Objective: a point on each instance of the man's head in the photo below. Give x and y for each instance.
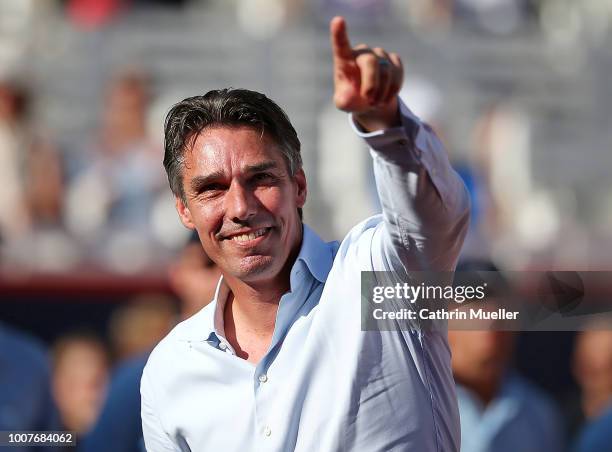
(80, 373)
(482, 355)
(234, 165)
(592, 366)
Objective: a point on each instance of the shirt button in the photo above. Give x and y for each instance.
(223, 346)
(267, 431)
(263, 378)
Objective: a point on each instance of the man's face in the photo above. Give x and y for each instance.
(242, 200)
(480, 356)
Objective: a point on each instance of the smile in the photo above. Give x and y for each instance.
(247, 237)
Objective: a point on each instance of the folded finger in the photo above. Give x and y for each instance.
(367, 62)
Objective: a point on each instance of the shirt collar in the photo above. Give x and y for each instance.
(207, 324)
(316, 254)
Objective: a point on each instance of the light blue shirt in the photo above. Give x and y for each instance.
(520, 418)
(325, 385)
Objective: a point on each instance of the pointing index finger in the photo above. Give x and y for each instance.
(339, 38)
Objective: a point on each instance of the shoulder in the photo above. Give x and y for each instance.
(596, 435)
(360, 235)
(128, 373)
(539, 403)
(30, 353)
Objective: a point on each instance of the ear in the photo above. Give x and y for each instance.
(300, 181)
(184, 213)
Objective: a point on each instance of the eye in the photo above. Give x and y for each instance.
(263, 177)
(210, 190)
(212, 187)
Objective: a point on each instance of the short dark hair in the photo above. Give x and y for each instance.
(225, 107)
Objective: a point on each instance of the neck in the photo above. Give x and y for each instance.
(250, 312)
(254, 306)
(249, 318)
(486, 390)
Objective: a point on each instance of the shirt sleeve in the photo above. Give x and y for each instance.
(425, 204)
(155, 437)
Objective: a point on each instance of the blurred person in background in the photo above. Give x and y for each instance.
(25, 393)
(193, 278)
(135, 327)
(500, 17)
(14, 218)
(500, 410)
(31, 203)
(115, 186)
(593, 371)
(79, 378)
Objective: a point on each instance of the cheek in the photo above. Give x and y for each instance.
(277, 201)
(208, 217)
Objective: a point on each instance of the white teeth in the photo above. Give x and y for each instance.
(249, 236)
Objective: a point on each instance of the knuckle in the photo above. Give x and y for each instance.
(381, 52)
(369, 58)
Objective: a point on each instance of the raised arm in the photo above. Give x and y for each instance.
(425, 203)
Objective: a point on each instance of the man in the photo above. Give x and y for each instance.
(278, 362)
(592, 366)
(500, 410)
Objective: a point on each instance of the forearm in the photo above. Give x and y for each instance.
(425, 203)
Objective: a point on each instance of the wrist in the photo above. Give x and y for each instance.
(380, 118)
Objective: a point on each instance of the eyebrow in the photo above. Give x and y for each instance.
(263, 166)
(202, 181)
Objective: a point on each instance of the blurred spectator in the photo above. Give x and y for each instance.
(500, 411)
(512, 200)
(119, 428)
(113, 193)
(357, 12)
(93, 14)
(25, 395)
(493, 16)
(593, 370)
(428, 15)
(136, 327)
(80, 371)
(14, 218)
(193, 277)
(31, 202)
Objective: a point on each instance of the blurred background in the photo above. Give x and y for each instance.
(95, 267)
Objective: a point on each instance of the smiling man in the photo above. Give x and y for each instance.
(278, 361)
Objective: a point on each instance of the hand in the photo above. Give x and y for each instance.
(366, 80)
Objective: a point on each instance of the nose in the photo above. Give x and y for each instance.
(240, 203)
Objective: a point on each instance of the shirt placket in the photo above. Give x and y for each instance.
(269, 427)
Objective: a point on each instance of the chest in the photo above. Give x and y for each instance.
(322, 384)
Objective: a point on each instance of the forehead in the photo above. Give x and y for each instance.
(236, 147)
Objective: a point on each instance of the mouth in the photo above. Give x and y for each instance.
(249, 238)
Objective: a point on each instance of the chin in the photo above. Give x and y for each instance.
(255, 268)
